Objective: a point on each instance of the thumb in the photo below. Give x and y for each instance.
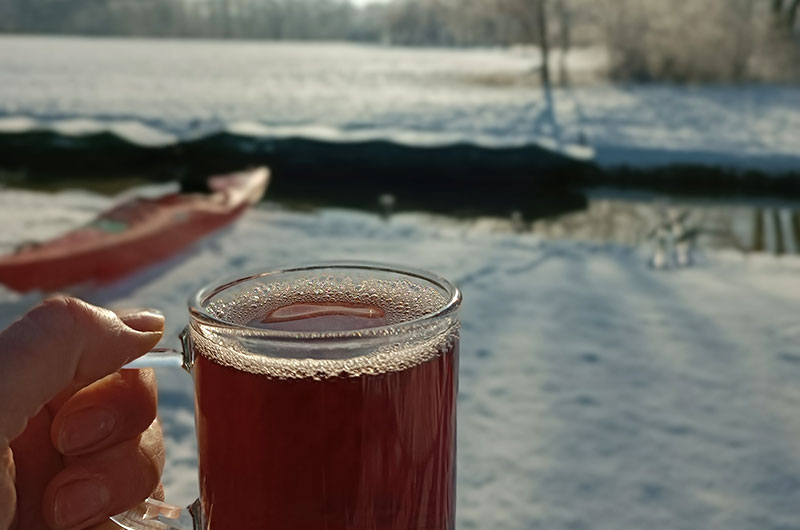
(59, 345)
(64, 343)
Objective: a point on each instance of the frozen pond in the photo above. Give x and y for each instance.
(158, 91)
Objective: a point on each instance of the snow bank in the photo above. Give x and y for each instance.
(595, 392)
(157, 92)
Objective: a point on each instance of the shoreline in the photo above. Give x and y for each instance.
(531, 178)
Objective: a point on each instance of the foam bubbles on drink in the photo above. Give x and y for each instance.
(355, 305)
(400, 300)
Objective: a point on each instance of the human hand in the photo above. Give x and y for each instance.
(79, 438)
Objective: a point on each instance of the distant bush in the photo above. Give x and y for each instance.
(698, 41)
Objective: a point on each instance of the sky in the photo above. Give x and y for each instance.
(367, 2)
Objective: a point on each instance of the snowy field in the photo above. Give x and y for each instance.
(156, 92)
(596, 393)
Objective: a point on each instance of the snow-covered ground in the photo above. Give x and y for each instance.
(156, 92)
(596, 393)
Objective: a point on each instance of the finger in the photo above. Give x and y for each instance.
(8, 490)
(36, 458)
(158, 495)
(94, 487)
(64, 343)
(118, 407)
(36, 462)
(106, 525)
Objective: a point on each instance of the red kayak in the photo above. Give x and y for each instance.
(132, 235)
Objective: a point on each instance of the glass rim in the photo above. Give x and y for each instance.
(198, 300)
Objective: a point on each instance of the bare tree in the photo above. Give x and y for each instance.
(544, 41)
(738, 17)
(564, 40)
(794, 10)
(785, 12)
(531, 20)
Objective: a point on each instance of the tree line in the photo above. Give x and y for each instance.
(697, 40)
(405, 22)
(241, 19)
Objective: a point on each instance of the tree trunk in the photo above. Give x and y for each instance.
(791, 18)
(544, 44)
(566, 41)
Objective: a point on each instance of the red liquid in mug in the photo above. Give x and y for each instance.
(342, 452)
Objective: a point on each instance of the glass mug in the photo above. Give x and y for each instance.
(336, 410)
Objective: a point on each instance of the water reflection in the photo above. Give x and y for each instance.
(674, 226)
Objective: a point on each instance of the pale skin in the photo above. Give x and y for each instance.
(79, 438)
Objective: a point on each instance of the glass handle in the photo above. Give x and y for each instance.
(157, 515)
(158, 358)
(153, 514)
(168, 357)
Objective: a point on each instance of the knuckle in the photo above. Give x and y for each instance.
(65, 304)
(146, 379)
(139, 386)
(7, 464)
(158, 493)
(60, 314)
(147, 375)
(150, 471)
(7, 485)
(153, 454)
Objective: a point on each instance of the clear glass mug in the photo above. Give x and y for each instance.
(339, 429)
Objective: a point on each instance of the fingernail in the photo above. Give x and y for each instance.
(80, 501)
(145, 320)
(85, 428)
